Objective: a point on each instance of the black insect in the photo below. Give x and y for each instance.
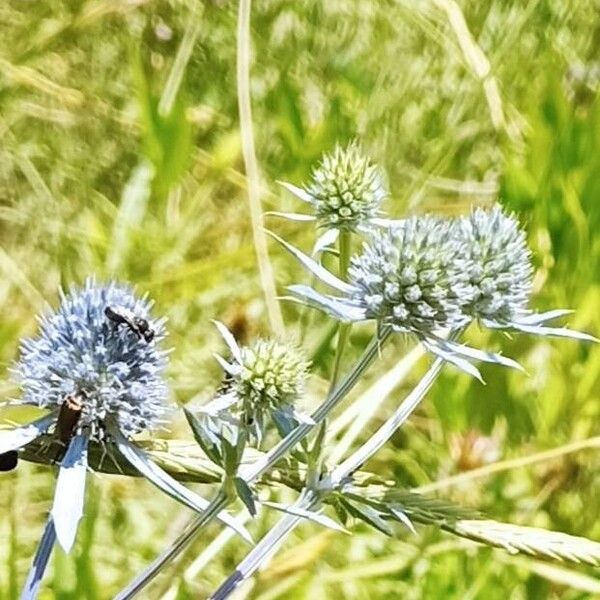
(9, 460)
(68, 416)
(138, 325)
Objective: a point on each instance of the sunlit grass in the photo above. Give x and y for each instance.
(95, 178)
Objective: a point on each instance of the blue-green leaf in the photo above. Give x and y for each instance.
(245, 494)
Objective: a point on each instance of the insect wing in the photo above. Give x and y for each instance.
(118, 314)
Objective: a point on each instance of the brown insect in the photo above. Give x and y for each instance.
(137, 325)
(68, 416)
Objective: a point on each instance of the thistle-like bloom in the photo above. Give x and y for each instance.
(500, 271)
(412, 277)
(345, 194)
(80, 351)
(431, 277)
(102, 381)
(500, 275)
(263, 379)
(346, 189)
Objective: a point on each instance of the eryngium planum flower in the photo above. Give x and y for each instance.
(431, 276)
(271, 377)
(80, 351)
(344, 193)
(97, 368)
(499, 266)
(412, 276)
(500, 276)
(263, 379)
(346, 188)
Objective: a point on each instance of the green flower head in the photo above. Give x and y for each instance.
(263, 380)
(346, 188)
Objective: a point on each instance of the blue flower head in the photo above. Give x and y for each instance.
(79, 350)
(98, 357)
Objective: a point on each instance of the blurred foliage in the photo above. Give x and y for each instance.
(96, 177)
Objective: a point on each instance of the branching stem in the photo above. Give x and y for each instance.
(309, 500)
(257, 469)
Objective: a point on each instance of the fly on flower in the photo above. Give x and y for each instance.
(345, 193)
(100, 385)
(137, 325)
(431, 277)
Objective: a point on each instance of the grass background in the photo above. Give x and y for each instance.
(96, 179)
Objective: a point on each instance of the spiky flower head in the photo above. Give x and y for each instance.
(96, 366)
(499, 266)
(346, 188)
(412, 276)
(427, 274)
(271, 377)
(264, 378)
(114, 372)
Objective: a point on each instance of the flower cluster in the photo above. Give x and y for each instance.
(112, 369)
(427, 275)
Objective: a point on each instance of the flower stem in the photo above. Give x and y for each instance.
(344, 328)
(385, 432)
(219, 502)
(265, 548)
